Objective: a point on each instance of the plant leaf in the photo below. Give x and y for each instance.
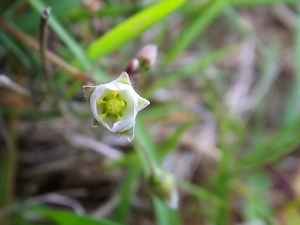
(62, 217)
(132, 28)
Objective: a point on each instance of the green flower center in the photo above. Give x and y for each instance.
(111, 105)
(114, 106)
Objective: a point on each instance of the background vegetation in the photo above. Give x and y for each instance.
(224, 115)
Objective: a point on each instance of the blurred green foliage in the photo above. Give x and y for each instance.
(87, 51)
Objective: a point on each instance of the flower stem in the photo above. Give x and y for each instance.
(151, 165)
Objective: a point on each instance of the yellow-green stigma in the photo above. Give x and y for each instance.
(113, 105)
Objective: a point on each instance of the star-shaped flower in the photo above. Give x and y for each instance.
(115, 105)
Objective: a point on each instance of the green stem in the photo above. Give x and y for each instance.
(145, 148)
(223, 192)
(151, 165)
(214, 102)
(8, 158)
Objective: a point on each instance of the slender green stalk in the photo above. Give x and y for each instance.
(151, 165)
(290, 111)
(214, 101)
(195, 29)
(8, 159)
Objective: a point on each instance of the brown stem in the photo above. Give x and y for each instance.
(43, 48)
(43, 40)
(79, 75)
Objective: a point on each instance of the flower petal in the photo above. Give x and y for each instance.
(128, 134)
(123, 125)
(124, 78)
(99, 92)
(142, 103)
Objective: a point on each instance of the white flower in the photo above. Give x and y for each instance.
(115, 105)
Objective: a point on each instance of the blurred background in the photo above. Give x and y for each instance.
(224, 116)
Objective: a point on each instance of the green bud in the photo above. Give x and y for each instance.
(163, 185)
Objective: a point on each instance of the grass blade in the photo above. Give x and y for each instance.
(256, 207)
(256, 3)
(165, 215)
(292, 107)
(173, 141)
(61, 217)
(122, 213)
(270, 150)
(171, 78)
(195, 29)
(63, 34)
(144, 140)
(132, 28)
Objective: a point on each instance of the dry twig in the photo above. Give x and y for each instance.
(11, 85)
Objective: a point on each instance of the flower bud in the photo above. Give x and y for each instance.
(133, 66)
(163, 185)
(115, 105)
(144, 60)
(147, 56)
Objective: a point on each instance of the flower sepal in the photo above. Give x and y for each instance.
(88, 90)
